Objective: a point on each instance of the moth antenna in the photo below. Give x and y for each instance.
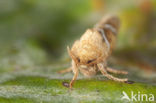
(71, 55)
(105, 25)
(105, 38)
(109, 22)
(110, 27)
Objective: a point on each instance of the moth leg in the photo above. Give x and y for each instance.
(74, 78)
(116, 71)
(65, 70)
(104, 72)
(76, 72)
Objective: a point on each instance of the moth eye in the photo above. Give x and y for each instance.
(89, 61)
(78, 59)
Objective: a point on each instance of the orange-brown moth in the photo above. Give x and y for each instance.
(89, 54)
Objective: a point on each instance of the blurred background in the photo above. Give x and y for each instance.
(34, 35)
(37, 32)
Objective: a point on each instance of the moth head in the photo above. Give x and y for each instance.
(82, 61)
(71, 54)
(88, 49)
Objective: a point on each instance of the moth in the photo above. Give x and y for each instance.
(89, 54)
